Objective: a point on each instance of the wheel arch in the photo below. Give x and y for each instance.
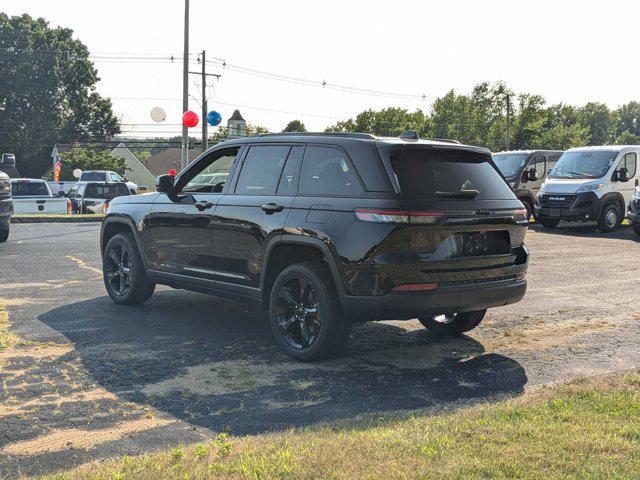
(114, 225)
(289, 249)
(613, 197)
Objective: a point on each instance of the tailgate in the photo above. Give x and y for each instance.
(37, 205)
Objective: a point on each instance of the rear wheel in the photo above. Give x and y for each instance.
(609, 218)
(453, 324)
(305, 313)
(4, 235)
(123, 272)
(549, 222)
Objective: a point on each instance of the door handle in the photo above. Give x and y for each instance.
(202, 206)
(270, 208)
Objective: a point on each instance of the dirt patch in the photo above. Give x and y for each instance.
(75, 438)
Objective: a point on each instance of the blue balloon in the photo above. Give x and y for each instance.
(214, 118)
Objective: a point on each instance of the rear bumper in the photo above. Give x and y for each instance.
(403, 306)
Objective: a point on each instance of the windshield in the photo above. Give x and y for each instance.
(93, 176)
(586, 164)
(510, 164)
(23, 189)
(106, 190)
(427, 173)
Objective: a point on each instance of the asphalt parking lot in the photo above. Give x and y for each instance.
(89, 379)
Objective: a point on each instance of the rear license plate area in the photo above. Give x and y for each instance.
(477, 244)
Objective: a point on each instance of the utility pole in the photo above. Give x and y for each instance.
(203, 74)
(205, 142)
(508, 132)
(184, 154)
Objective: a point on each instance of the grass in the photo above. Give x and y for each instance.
(588, 429)
(61, 217)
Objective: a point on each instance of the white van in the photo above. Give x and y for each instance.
(590, 184)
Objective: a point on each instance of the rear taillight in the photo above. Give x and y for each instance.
(69, 209)
(397, 216)
(520, 214)
(520, 277)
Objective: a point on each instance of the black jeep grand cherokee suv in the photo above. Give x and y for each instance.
(325, 230)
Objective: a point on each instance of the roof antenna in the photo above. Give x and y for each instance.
(409, 135)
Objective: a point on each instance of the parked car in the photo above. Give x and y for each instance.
(525, 170)
(33, 196)
(590, 184)
(325, 230)
(107, 176)
(633, 211)
(6, 206)
(94, 197)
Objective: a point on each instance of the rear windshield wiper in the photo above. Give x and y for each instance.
(459, 194)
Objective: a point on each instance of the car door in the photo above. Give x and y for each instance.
(629, 161)
(539, 163)
(179, 240)
(252, 213)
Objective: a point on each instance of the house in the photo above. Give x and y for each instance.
(136, 171)
(169, 159)
(236, 125)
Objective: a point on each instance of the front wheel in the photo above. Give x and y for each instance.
(305, 313)
(123, 272)
(453, 324)
(4, 235)
(549, 222)
(609, 218)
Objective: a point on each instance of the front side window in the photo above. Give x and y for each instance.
(629, 161)
(212, 177)
(584, 164)
(540, 164)
(327, 171)
(261, 170)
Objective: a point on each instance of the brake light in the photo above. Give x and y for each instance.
(415, 287)
(520, 214)
(397, 216)
(521, 276)
(69, 208)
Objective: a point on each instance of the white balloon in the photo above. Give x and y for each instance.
(158, 114)
(77, 173)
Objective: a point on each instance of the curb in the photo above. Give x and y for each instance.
(56, 218)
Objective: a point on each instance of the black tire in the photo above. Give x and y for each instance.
(4, 235)
(636, 228)
(549, 222)
(528, 207)
(305, 314)
(453, 324)
(123, 273)
(609, 218)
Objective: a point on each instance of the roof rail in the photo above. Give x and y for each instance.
(409, 135)
(446, 140)
(367, 136)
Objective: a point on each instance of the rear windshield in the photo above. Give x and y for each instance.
(93, 176)
(107, 190)
(445, 173)
(24, 189)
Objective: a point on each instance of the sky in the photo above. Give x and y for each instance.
(568, 51)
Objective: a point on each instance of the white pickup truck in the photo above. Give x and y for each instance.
(33, 196)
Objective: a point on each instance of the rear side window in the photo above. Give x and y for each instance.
(444, 173)
(327, 171)
(19, 189)
(261, 170)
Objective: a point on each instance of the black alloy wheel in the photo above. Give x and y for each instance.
(118, 270)
(298, 313)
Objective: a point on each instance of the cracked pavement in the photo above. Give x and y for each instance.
(89, 380)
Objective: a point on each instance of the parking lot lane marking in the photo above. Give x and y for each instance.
(83, 264)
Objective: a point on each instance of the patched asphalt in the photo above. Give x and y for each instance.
(90, 380)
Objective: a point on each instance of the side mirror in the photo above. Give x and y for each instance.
(164, 184)
(623, 174)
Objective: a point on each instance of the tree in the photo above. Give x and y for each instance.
(599, 120)
(628, 119)
(386, 122)
(89, 159)
(295, 126)
(48, 92)
(223, 133)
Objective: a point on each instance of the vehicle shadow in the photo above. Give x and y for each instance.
(212, 363)
(586, 231)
